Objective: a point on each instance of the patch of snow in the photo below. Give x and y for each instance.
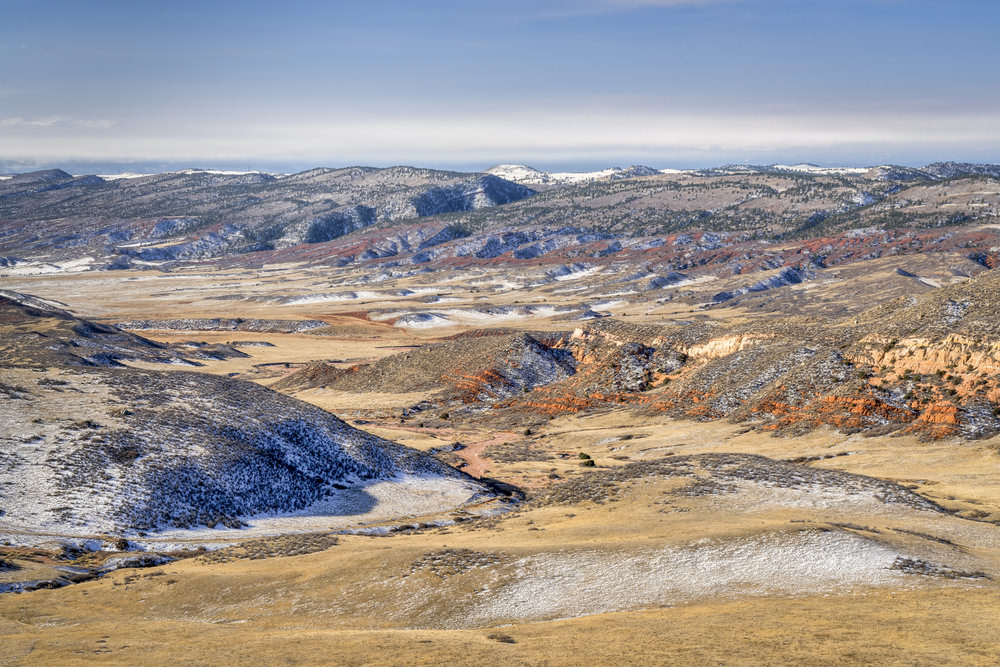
(423, 320)
(36, 268)
(606, 305)
(571, 584)
(583, 176)
(576, 274)
(450, 316)
(334, 296)
(863, 199)
(403, 497)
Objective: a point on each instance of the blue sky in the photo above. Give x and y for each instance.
(558, 84)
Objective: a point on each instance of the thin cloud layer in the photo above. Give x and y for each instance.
(467, 137)
(87, 123)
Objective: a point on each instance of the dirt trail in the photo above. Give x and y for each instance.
(475, 464)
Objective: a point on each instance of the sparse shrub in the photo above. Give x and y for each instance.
(444, 415)
(527, 431)
(588, 463)
(583, 455)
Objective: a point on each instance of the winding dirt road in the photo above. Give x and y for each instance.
(475, 464)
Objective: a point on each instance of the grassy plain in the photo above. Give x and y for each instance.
(708, 566)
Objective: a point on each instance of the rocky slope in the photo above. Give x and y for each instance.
(88, 446)
(926, 364)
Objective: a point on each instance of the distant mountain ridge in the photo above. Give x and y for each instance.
(208, 214)
(524, 174)
(52, 221)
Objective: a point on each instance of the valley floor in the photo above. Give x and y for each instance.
(684, 542)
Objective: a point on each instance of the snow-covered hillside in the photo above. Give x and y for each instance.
(89, 450)
(141, 451)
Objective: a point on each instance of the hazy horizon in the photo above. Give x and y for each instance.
(115, 168)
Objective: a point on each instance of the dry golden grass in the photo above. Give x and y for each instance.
(362, 602)
(940, 627)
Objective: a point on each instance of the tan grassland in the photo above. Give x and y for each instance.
(652, 572)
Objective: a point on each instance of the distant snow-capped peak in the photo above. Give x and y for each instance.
(519, 173)
(526, 175)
